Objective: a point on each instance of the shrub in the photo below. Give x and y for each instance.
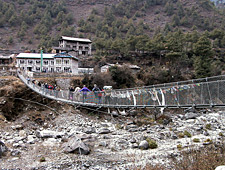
(180, 135)
(200, 159)
(152, 144)
(221, 134)
(188, 134)
(208, 126)
(179, 147)
(113, 149)
(208, 140)
(118, 126)
(196, 140)
(42, 159)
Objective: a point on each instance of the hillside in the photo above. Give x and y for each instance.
(171, 39)
(30, 24)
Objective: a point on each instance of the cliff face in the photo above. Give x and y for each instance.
(11, 88)
(16, 99)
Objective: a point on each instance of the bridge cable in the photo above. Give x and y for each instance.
(34, 103)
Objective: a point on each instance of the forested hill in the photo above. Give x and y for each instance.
(177, 34)
(30, 24)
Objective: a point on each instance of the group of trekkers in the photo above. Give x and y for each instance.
(75, 93)
(45, 87)
(98, 93)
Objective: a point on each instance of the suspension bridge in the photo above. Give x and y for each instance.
(198, 93)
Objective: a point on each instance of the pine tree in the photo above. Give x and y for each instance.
(203, 52)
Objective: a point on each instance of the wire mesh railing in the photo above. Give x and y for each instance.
(198, 92)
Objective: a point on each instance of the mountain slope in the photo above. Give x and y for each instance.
(25, 24)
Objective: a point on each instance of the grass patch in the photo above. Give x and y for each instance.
(42, 159)
(180, 135)
(221, 134)
(152, 143)
(196, 140)
(188, 134)
(179, 147)
(208, 126)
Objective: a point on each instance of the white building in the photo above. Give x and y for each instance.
(60, 63)
(85, 70)
(106, 67)
(81, 46)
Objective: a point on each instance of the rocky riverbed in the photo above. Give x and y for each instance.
(73, 140)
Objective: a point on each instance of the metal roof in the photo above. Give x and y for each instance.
(35, 55)
(65, 55)
(76, 39)
(5, 57)
(45, 56)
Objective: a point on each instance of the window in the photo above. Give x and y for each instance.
(75, 47)
(30, 61)
(21, 61)
(38, 68)
(58, 62)
(38, 62)
(68, 46)
(45, 62)
(80, 47)
(52, 63)
(86, 48)
(58, 69)
(66, 62)
(67, 69)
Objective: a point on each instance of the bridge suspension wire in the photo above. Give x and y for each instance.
(200, 93)
(34, 103)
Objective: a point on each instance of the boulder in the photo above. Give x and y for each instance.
(191, 115)
(130, 122)
(103, 143)
(130, 126)
(75, 145)
(132, 140)
(206, 133)
(114, 113)
(3, 149)
(22, 133)
(15, 153)
(123, 113)
(134, 145)
(49, 134)
(17, 127)
(222, 167)
(50, 142)
(83, 136)
(31, 139)
(133, 113)
(133, 130)
(143, 145)
(90, 130)
(104, 131)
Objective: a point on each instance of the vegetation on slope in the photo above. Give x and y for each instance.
(172, 39)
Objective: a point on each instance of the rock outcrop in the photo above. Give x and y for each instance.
(75, 145)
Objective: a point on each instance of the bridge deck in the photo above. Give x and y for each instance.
(199, 93)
